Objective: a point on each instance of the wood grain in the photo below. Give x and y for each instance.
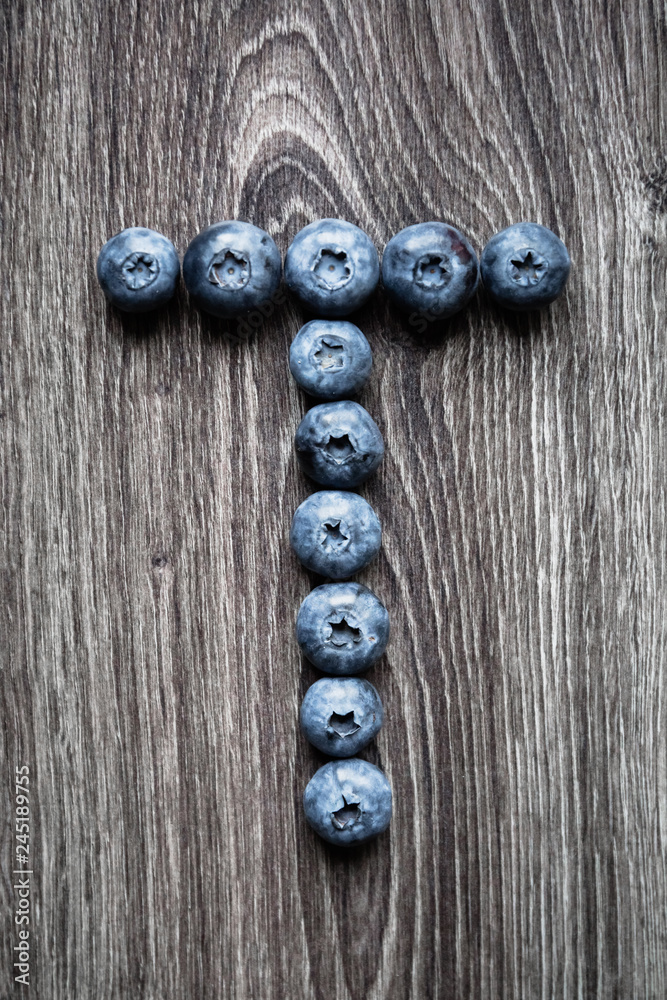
(151, 677)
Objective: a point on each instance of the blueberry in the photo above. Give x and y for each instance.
(330, 358)
(339, 444)
(231, 268)
(348, 802)
(342, 628)
(525, 266)
(332, 267)
(335, 533)
(138, 270)
(340, 715)
(430, 268)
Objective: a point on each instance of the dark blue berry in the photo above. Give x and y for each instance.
(340, 715)
(231, 268)
(431, 269)
(332, 267)
(330, 358)
(339, 444)
(525, 266)
(348, 802)
(342, 628)
(138, 270)
(335, 533)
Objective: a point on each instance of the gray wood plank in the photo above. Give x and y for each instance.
(151, 679)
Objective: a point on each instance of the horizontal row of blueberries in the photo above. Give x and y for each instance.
(333, 267)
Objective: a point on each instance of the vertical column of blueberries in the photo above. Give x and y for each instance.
(429, 270)
(342, 627)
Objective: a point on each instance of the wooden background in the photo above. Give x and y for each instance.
(151, 677)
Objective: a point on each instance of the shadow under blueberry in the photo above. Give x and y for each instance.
(524, 324)
(139, 328)
(245, 329)
(364, 317)
(419, 332)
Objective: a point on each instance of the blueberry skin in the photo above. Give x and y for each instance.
(335, 533)
(343, 628)
(332, 267)
(430, 268)
(341, 715)
(348, 802)
(525, 267)
(231, 268)
(339, 444)
(138, 270)
(330, 358)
